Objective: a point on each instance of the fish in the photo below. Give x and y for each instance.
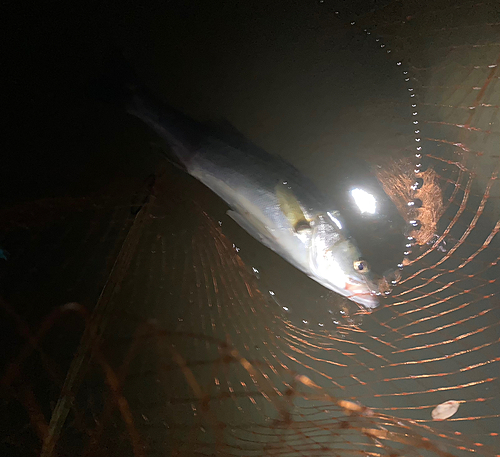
(268, 197)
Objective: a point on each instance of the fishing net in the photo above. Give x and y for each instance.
(175, 347)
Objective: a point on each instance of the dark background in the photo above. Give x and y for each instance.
(56, 139)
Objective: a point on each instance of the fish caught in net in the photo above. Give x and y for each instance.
(175, 347)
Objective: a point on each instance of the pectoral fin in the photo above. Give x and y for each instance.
(291, 208)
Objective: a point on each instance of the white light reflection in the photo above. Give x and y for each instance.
(366, 202)
(334, 220)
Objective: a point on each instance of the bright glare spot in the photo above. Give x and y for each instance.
(335, 220)
(366, 202)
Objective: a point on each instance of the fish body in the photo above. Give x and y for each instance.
(268, 197)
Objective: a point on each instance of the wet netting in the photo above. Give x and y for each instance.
(162, 341)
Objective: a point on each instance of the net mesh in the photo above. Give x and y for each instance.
(173, 348)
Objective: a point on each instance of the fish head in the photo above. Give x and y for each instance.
(336, 262)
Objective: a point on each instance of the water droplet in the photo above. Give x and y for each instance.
(417, 203)
(415, 223)
(424, 164)
(398, 63)
(419, 182)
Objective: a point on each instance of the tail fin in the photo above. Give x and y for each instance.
(121, 86)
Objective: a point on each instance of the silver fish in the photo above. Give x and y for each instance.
(268, 197)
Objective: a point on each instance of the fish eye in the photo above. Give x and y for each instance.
(361, 266)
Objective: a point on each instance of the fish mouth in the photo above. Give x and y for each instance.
(353, 289)
(359, 293)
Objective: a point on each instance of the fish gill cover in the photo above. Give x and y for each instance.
(122, 373)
